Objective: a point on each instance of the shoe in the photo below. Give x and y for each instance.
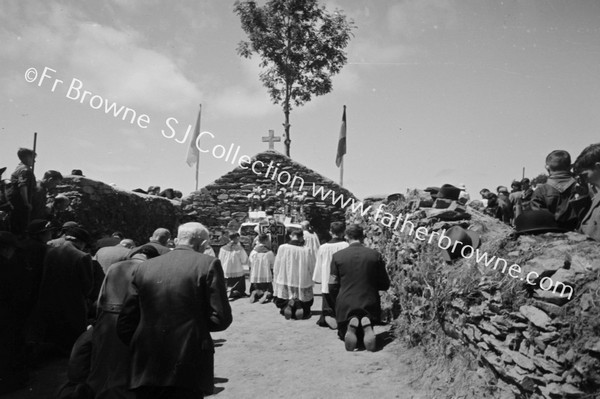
(299, 313)
(264, 298)
(253, 296)
(369, 338)
(288, 311)
(350, 339)
(331, 322)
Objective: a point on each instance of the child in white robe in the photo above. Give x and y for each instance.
(233, 256)
(261, 271)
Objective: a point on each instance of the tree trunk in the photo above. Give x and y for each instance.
(286, 125)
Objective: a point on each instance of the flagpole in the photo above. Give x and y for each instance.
(342, 173)
(198, 161)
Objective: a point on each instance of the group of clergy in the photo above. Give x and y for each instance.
(351, 276)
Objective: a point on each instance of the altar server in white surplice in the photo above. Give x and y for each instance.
(311, 240)
(262, 260)
(322, 271)
(292, 277)
(233, 256)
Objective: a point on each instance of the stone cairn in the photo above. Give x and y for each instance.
(230, 197)
(536, 343)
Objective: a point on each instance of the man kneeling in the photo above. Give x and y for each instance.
(357, 275)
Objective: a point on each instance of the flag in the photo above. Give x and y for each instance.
(341, 150)
(193, 154)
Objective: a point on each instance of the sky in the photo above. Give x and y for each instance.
(437, 91)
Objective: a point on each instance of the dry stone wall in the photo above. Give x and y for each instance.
(103, 209)
(537, 343)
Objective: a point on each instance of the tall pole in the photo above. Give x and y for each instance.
(33, 183)
(342, 173)
(198, 160)
(523, 172)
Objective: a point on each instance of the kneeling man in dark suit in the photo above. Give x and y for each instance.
(175, 301)
(357, 275)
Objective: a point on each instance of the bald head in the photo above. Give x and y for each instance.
(161, 236)
(192, 234)
(305, 225)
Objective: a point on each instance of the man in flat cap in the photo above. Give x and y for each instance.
(66, 285)
(22, 185)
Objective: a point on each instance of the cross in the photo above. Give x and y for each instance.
(271, 138)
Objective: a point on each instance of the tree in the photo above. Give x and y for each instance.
(301, 46)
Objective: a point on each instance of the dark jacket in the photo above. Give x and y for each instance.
(175, 301)
(67, 285)
(358, 273)
(555, 194)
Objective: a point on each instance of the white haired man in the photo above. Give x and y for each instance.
(175, 301)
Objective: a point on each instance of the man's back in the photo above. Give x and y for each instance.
(360, 273)
(106, 256)
(180, 297)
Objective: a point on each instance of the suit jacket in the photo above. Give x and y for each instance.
(106, 256)
(175, 301)
(67, 283)
(358, 273)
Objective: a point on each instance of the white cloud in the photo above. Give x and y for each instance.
(114, 63)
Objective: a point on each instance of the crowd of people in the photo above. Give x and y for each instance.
(568, 194)
(135, 321)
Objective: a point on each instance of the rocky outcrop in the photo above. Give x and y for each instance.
(538, 343)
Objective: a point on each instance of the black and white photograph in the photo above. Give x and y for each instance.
(300, 199)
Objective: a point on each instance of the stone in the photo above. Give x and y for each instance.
(536, 316)
(544, 266)
(552, 309)
(548, 337)
(522, 360)
(593, 346)
(552, 353)
(569, 391)
(489, 327)
(549, 377)
(548, 366)
(551, 297)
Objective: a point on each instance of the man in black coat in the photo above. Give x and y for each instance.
(175, 301)
(357, 275)
(66, 288)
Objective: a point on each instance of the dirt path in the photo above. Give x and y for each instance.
(262, 355)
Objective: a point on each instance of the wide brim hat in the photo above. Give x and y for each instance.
(149, 250)
(537, 222)
(433, 191)
(79, 234)
(465, 236)
(448, 191)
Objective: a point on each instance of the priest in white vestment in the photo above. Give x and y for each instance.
(322, 272)
(292, 277)
(311, 240)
